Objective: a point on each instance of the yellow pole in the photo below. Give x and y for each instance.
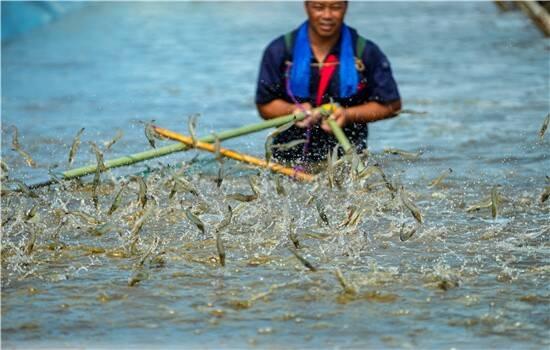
(235, 155)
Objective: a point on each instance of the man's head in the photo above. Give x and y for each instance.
(326, 17)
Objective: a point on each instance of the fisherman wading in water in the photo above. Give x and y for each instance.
(321, 61)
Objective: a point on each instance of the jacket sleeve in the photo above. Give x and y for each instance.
(271, 78)
(381, 85)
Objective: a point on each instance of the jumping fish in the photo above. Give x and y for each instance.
(217, 148)
(404, 154)
(411, 206)
(5, 169)
(150, 133)
(192, 125)
(23, 188)
(404, 235)
(181, 182)
(117, 137)
(269, 139)
(321, 210)
(149, 251)
(226, 220)
(141, 221)
(16, 146)
(29, 247)
(142, 194)
(242, 197)
(74, 146)
(545, 194)
(116, 201)
(292, 234)
(219, 178)
(388, 184)
(86, 217)
(194, 219)
(441, 177)
(279, 187)
(544, 126)
(137, 277)
(97, 176)
(348, 287)
(494, 202)
(303, 260)
(220, 248)
(288, 145)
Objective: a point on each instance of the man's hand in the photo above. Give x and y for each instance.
(340, 116)
(312, 117)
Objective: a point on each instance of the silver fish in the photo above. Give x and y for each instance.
(279, 187)
(269, 139)
(23, 188)
(181, 183)
(137, 277)
(388, 184)
(302, 260)
(544, 126)
(410, 205)
(404, 154)
(150, 133)
(142, 194)
(404, 235)
(194, 219)
(288, 145)
(29, 247)
(494, 202)
(219, 178)
(31, 212)
(117, 200)
(97, 175)
(141, 221)
(16, 146)
(486, 203)
(117, 137)
(86, 217)
(74, 146)
(192, 125)
(348, 287)
(217, 149)
(545, 194)
(226, 220)
(153, 246)
(101, 229)
(292, 234)
(441, 177)
(220, 248)
(242, 197)
(321, 210)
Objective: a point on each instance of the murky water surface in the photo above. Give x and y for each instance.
(73, 274)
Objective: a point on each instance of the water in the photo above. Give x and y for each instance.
(463, 280)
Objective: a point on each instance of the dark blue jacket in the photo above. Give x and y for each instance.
(376, 83)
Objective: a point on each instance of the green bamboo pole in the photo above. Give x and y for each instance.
(342, 139)
(177, 147)
(339, 134)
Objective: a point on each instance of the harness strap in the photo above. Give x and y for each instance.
(326, 72)
(359, 45)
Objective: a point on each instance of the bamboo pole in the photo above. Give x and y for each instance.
(235, 155)
(343, 140)
(178, 147)
(538, 14)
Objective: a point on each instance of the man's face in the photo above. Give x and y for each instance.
(326, 17)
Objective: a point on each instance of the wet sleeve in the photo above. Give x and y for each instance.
(271, 77)
(381, 86)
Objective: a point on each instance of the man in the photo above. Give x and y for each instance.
(317, 63)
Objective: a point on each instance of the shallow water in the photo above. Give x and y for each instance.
(463, 280)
